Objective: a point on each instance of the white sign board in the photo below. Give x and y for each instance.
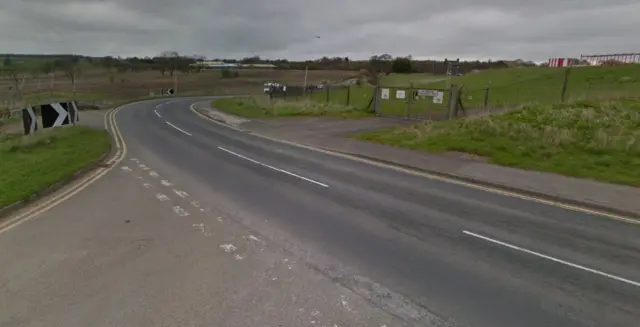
(384, 94)
(438, 97)
(428, 93)
(400, 94)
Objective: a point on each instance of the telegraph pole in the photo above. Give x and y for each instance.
(306, 73)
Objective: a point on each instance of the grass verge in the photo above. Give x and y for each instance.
(511, 87)
(598, 139)
(262, 107)
(29, 164)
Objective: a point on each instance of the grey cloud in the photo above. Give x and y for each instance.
(467, 29)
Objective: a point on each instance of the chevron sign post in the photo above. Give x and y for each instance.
(59, 114)
(29, 121)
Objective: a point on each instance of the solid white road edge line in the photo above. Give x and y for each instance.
(178, 128)
(540, 255)
(274, 168)
(156, 111)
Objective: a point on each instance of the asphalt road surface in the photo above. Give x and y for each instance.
(202, 224)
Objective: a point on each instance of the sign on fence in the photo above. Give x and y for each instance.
(384, 94)
(428, 93)
(400, 94)
(438, 98)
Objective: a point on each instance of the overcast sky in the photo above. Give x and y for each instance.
(466, 29)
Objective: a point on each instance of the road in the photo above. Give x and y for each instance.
(372, 246)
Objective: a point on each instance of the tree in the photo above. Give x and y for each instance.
(70, 66)
(401, 65)
(169, 59)
(49, 68)
(108, 62)
(17, 73)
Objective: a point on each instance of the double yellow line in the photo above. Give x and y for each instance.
(121, 150)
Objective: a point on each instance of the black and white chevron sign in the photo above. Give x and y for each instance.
(29, 121)
(55, 114)
(74, 116)
(167, 91)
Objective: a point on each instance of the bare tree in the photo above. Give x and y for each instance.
(17, 75)
(71, 68)
(171, 61)
(48, 69)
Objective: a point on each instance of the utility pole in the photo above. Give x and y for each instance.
(448, 74)
(306, 73)
(304, 85)
(175, 82)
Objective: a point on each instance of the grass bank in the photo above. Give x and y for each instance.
(405, 80)
(29, 164)
(510, 87)
(263, 107)
(598, 139)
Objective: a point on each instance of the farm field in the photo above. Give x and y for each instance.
(405, 80)
(103, 88)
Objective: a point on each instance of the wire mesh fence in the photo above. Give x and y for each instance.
(513, 88)
(358, 96)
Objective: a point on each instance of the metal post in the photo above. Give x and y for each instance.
(452, 101)
(376, 100)
(409, 101)
(448, 68)
(304, 85)
(565, 84)
(328, 91)
(486, 95)
(175, 82)
(53, 74)
(348, 95)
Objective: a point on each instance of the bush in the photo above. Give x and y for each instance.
(227, 73)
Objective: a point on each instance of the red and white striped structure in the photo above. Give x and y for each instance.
(628, 58)
(563, 62)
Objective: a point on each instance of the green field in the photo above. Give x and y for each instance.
(511, 87)
(596, 139)
(507, 88)
(263, 107)
(405, 80)
(31, 163)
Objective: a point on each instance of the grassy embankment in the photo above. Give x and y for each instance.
(338, 102)
(598, 139)
(262, 107)
(528, 86)
(29, 164)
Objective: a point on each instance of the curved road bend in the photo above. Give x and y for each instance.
(238, 212)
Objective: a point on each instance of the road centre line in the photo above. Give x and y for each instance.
(543, 256)
(178, 128)
(273, 168)
(156, 111)
(431, 176)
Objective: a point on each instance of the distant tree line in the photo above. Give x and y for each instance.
(170, 62)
